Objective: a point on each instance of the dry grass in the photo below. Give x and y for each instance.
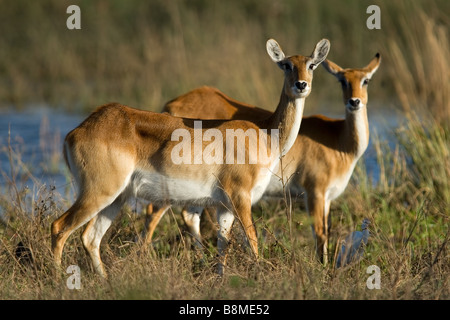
(420, 74)
(409, 242)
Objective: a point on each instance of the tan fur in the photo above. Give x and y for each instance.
(119, 152)
(325, 149)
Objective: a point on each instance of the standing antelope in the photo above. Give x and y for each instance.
(119, 152)
(321, 160)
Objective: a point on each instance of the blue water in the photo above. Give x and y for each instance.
(33, 139)
(36, 138)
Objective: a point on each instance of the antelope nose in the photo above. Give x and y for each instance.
(354, 102)
(301, 85)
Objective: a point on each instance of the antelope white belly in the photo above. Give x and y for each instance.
(275, 187)
(265, 180)
(260, 188)
(338, 185)
(156, 187)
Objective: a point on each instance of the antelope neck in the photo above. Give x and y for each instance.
(356, 132)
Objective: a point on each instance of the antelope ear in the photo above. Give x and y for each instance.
(274, 51)
(373, 65)
(320, 51)
(332, 67)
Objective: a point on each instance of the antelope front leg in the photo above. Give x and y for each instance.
(318, 210)
(244, 212)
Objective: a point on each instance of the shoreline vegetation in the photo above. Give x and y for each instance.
(145, 54)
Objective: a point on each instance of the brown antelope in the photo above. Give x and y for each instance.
(321, 160)
(119, 152)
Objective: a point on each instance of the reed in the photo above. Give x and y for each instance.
(145, 53)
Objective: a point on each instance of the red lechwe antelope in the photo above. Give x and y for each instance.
(321, 160)
(119, 152)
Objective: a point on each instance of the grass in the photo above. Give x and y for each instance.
(109, 60)
(409, 242)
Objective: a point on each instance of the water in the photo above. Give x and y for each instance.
(36, 138)
(33, 139)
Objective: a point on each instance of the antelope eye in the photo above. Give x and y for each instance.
(366, 82)
(312, 66)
